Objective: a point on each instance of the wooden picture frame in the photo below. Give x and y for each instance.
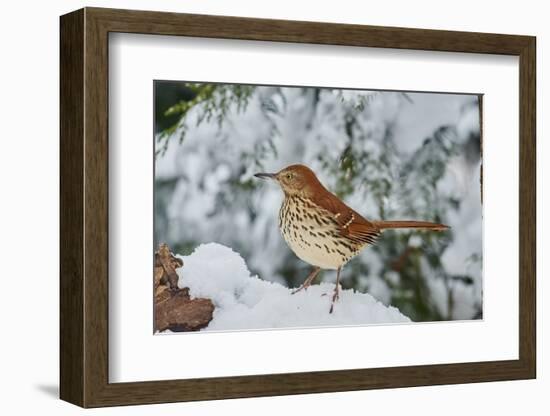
(84, 207)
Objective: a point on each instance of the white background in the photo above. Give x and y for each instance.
(29, 220)
(135, 60)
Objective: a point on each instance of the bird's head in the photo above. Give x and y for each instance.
(294, 180)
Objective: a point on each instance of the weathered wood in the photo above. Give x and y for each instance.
(71, 219)
(176, 311)
(174, 308)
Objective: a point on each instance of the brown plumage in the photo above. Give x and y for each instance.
(321, 229)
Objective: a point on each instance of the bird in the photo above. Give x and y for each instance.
(321, 229)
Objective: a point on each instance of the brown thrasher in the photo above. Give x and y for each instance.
(320, 229)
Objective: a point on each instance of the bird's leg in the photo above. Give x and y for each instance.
(308, 281)
(336, 290)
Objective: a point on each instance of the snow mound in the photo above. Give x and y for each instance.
(243, 301)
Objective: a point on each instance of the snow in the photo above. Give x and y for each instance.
(243, 301)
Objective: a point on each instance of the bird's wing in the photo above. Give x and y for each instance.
(351, 224)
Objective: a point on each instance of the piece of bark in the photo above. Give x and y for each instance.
(178, 312)
(174, 308)
(162, 293)
(165, 259)
(158, 275)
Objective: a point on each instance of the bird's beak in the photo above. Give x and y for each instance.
(266, 175)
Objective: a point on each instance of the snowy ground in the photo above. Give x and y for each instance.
(243, 301)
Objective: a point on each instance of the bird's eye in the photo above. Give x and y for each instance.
(289, 175)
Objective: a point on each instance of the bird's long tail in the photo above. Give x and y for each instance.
(384, 225)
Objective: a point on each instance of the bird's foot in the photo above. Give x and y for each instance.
(299, 289)
(335, 297)
(308, 281)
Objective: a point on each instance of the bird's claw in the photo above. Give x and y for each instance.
(335, 297)
(299, 289)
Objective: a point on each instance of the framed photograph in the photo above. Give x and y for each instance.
(255, 207)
